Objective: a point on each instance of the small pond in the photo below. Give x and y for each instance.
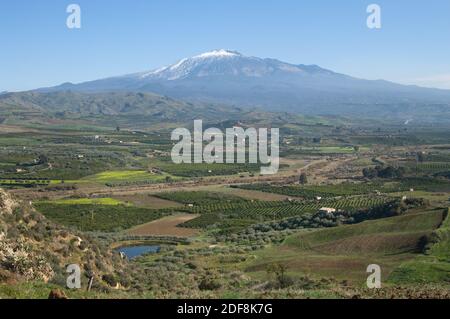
(136, 251)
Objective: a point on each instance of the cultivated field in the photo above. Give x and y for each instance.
(350, 198)
(166, 226)
(148, 201)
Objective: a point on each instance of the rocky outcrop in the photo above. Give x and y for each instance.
(57, 294)
(34, 249)
(7, 204)
(18, 253)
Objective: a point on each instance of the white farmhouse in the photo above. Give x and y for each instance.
(327, 210)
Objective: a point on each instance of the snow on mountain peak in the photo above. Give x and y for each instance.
(219, 54)
(227, 63)
(183, 67)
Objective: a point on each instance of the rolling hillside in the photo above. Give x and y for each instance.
(344, 252)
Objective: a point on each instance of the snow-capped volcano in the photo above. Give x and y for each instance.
(220, 63)
(222, 53)
(186, 66)
(225, 76)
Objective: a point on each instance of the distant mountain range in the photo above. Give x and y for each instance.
(228, 77)
(132, 109)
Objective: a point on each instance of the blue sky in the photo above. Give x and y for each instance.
(125, 36)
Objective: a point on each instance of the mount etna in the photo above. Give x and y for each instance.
(231, 78)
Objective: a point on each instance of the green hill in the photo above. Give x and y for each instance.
(434, 266)
(344, 252)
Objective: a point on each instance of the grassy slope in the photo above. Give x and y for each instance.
(344, 252)
(434, 267)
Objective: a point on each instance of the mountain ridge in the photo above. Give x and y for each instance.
(231, 78)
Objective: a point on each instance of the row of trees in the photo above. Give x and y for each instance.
(320, 219)
(383, 172)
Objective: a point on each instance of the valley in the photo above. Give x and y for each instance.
(225, 230)
(224, 158)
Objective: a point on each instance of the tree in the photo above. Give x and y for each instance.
(42, 159)
(369, 172)
(391, 172)
(303, 179)
(279, 270)
(420, 157)
(383, 172)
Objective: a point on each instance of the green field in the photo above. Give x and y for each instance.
(200, 198)
(348, 189)
(323, 150)
(88, 176)
(345, 252)
(324, 191)
(99, 217)
(234, 217)
(434, 266)
(87, 201)
(429, 167)
(203, 170)
(25, 182)
(123, 176)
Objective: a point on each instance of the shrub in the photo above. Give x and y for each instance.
(208, 283)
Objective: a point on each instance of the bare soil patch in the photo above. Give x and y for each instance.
(166, 226)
